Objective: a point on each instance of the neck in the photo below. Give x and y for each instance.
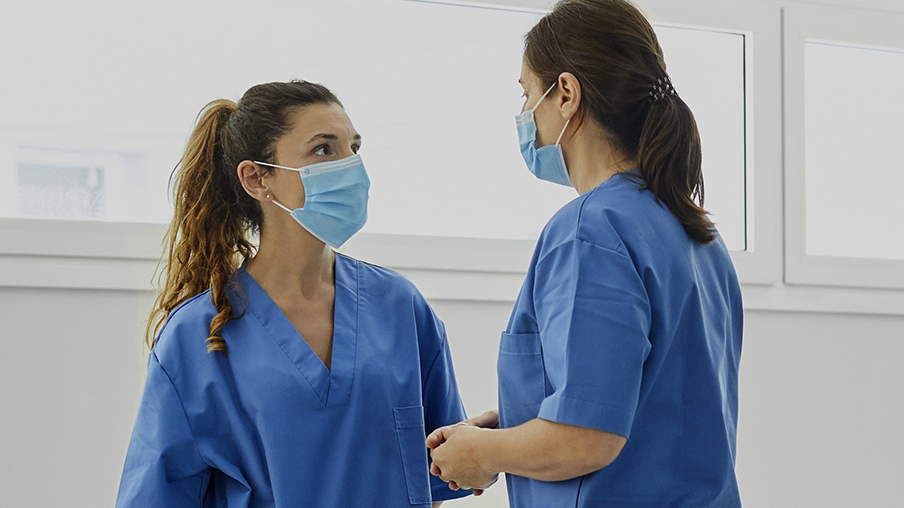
(290, 259)
(591, 158)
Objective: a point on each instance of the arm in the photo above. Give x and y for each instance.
(163, 466)
(538, 449)
(442, 403)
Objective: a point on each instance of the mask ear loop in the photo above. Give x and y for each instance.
(277, 166)
(541, 100)
(275, 202)
(563, 131)
(553, 85)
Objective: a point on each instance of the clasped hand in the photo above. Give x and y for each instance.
(456, 453)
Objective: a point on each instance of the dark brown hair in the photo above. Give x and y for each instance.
(610, 47)
(208, 238)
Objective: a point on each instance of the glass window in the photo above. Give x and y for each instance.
(432, 88)
(853, 169)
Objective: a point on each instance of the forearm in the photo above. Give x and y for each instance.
(437, 504)
(548, 451)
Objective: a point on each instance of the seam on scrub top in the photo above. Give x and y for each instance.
(439, 353)
(359, 298)
(581, 218)
(608, 249)
(182, 406)
(576, 239)
(597, 404)
(173, 313)
(283, 351)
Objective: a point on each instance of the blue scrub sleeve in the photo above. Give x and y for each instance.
(594, 317)
(163, 466)
(442, 403)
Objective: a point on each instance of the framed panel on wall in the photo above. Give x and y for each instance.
(759, 27)
(844, 71)
(725, 62)
(435, 102)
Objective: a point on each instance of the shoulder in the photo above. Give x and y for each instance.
(621, 211)
(393, 293)
(602, 216)
(186, 330)
(382, 280)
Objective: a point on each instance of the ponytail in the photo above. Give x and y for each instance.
(206, 241)
(208, 238)
(669, 158)
(612, 50)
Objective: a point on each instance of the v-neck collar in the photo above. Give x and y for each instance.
(332, 387)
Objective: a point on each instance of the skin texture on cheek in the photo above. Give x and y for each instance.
(319, 133)
(287, 188)
(545, 115)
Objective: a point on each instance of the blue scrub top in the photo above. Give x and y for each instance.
(267, 424)
(624, 324)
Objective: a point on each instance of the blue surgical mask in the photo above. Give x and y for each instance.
(335, 199)
(547, 162)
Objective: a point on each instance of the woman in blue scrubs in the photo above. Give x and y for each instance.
(618, 370)
(284, 374)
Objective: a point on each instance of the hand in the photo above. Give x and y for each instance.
(488, 420)
(455, 453)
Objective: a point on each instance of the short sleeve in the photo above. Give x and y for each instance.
(442, 403)
(163, 467)
(594, 318)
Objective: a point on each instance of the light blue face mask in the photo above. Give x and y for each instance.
(335, 198)
(547, 162)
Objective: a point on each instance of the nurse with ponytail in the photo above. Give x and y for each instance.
(282, 373)
(618, 370)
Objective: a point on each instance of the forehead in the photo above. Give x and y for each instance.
(528, 78)
(313, 119)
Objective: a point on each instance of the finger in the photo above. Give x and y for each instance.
(488, 420)
(453, 485)
(478, 492)
(435, 438)
(434, 469)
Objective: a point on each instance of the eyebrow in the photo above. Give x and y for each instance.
(332, 137)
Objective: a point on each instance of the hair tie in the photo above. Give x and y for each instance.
(661, 88)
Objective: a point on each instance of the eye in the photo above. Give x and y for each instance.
(322, 150)
(355, 148)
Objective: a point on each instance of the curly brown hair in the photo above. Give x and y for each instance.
(210, 235)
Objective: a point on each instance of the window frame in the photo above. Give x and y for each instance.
(751, 264)
(122, 256)
(802, 23)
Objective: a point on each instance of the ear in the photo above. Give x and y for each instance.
(568, 99)
(252, 177)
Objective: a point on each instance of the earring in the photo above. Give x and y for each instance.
(268, 196)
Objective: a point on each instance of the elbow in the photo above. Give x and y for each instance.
(602, 451)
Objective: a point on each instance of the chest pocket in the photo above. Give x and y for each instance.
(522, 378)
(411, 433)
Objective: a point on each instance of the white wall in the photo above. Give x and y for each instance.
(71, 370)
(820, 403)
(821, 410)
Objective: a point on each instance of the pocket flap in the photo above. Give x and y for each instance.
(520, 343)
(410, 416)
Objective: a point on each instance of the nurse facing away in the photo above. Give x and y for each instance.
(618, 369)
(287, 374)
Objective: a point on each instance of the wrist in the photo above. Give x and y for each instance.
(487, 451)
